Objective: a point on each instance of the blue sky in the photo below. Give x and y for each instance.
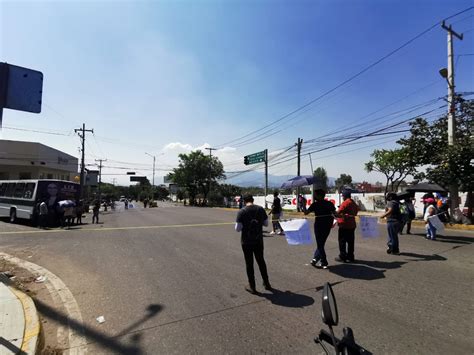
(165, 77)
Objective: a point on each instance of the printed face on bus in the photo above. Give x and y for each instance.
(52, 190)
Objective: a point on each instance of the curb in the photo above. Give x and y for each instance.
(32, 324)
(32, 328)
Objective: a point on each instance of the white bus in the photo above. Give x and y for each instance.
(20, 198)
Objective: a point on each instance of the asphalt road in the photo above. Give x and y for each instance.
(166, 287)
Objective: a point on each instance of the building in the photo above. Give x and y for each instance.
(369, 188)
(30, 160)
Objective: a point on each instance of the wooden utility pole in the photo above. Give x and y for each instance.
(299, 144)
(100, 178)
(453, 187)
(81, 132)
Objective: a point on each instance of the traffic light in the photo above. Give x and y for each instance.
(246, 160)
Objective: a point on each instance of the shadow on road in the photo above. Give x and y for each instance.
(451, 239)
(380, 264)
(288, 299)
(357, 271)
(422, 257)
(92, 335)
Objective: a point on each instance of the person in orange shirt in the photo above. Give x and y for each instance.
(347, 225)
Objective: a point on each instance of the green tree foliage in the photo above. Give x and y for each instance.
(343, 180)
(321, 178)
(194, 173)
(445, 165)
(395, 164)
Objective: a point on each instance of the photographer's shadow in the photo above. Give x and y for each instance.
(287, 298)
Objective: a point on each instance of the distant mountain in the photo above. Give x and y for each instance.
(256, 178)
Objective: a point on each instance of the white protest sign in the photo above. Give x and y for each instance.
(297, 232)
(436, 222)
(368, 227)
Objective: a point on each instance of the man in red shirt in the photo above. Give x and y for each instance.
(347, 225)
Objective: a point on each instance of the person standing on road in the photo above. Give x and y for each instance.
(323, 222)
(95, 213)
(276, 213)
(393, 222)
(430, 228)
(347, 225)
(250, 221)
(43, 214)
(79, 212)
(410, 208)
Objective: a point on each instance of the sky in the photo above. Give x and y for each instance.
(168, 77)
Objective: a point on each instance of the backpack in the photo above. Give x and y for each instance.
(255, 227)
(403, 209)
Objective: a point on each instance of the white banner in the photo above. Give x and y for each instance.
(368, 227)
(297, 232)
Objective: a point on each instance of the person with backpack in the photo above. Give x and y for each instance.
(323, 222)
(393, 215)
(407, 210)
(250, 221)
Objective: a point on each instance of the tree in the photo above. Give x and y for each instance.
(321, 178)
(342, 181)
(395, 164)
(195, 172)
(445, 164)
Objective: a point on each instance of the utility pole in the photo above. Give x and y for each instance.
(266, 177)
(100, 177)
(114, 181)
(453, 188)
(210, 167)
(299, 144)
(312, 174)
(81, 132)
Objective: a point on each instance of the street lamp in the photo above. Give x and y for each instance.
(153, 181)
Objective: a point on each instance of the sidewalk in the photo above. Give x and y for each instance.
(19, 323)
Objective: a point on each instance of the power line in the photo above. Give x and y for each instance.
(326, 93)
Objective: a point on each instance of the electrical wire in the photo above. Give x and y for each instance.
(343, 83)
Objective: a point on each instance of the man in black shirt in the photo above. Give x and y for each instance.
(276, 214)
(249, 221)
(324, 219)
(393, 216)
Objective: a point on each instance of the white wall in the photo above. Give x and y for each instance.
(366, 202)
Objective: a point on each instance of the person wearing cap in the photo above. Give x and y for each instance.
(323, 222)
(393, 216)
(250, 221)
(347, 225)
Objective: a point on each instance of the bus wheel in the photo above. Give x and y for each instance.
(12, 215)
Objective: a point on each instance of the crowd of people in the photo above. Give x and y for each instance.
(399, 213)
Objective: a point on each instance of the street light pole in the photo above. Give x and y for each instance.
(210, 168)
(153, 180)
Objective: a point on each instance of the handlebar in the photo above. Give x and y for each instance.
(346, 345)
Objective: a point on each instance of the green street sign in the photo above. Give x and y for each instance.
(254, 158)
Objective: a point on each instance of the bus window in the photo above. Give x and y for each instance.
(3, 188)
(19, 189)
(10, 189)
(29, 190)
